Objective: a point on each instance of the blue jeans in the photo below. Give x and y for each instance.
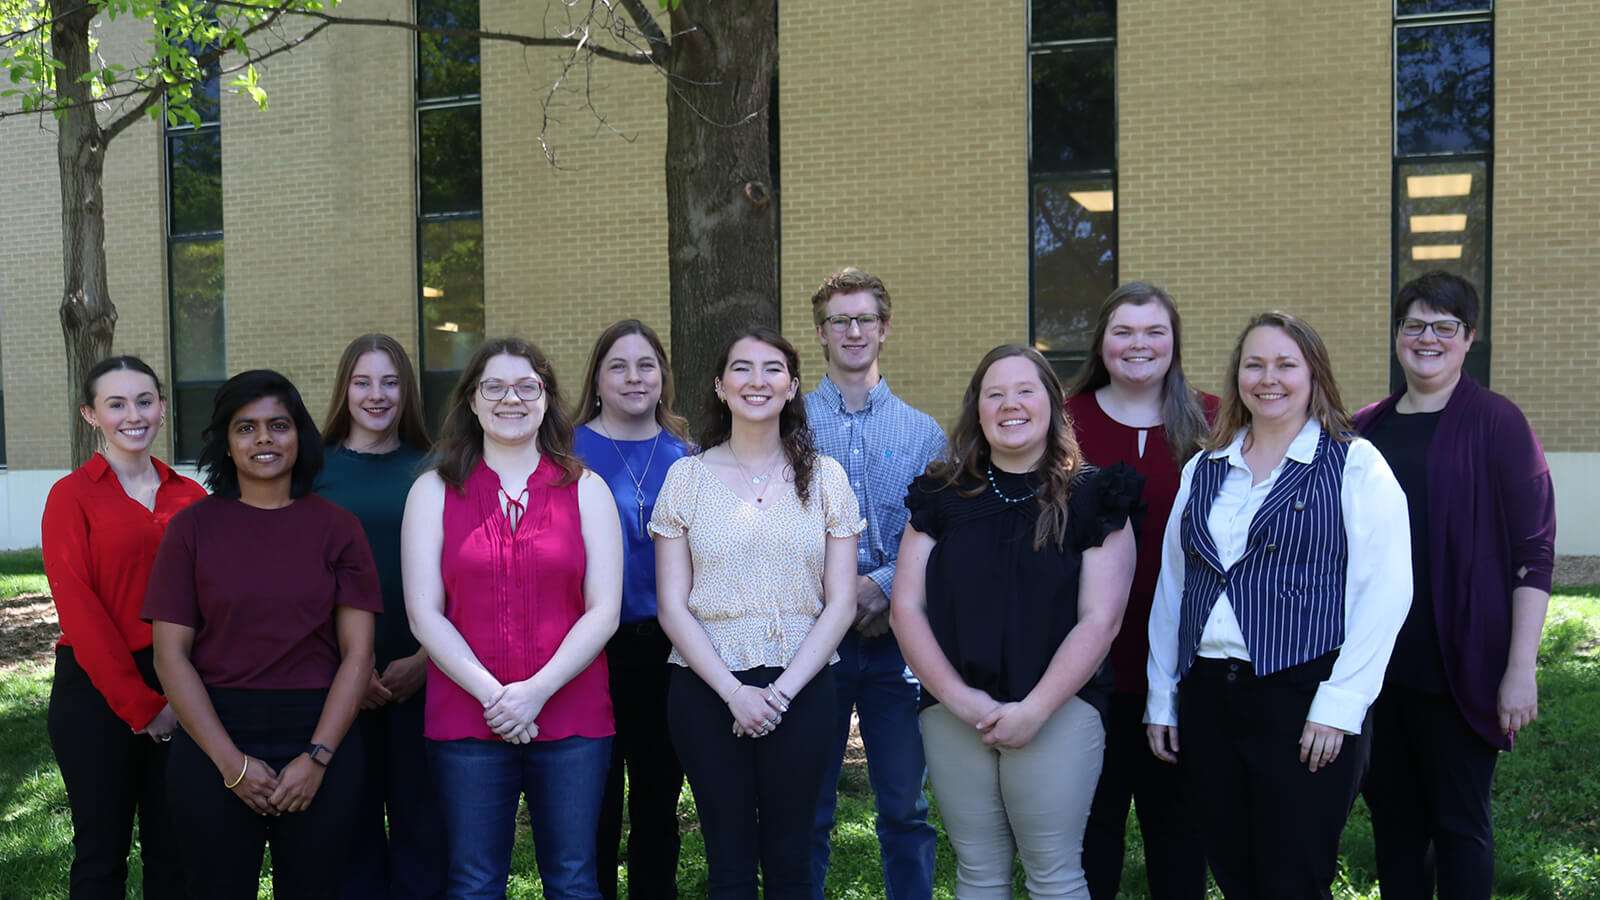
(480, 784)
(872, 678)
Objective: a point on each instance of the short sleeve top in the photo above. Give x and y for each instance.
(757, 572)
(259, 587)
(998, 607)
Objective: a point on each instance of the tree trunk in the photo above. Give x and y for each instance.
(721, 233)
(88, 319)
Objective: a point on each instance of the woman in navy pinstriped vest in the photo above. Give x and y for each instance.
(1286, 574)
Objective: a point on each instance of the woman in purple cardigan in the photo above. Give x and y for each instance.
(1460, 683)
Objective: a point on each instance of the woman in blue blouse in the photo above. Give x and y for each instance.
(630, 436)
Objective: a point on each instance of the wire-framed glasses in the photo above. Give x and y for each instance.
(493, 389)
(841, 323)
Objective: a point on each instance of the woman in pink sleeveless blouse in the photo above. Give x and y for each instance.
(512, 565)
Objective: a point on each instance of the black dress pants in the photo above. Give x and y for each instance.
(1428, 788)
(637, 659)
(222, 839)
(1270, 826)
(111, 775)
(1173, 861)
(394, 852)
(757, 797)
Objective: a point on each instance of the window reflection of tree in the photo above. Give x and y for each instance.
(1074, 251)
(1444, 88)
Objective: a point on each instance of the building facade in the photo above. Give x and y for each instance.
(1001, 164)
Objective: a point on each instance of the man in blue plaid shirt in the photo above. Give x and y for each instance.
(883, 444)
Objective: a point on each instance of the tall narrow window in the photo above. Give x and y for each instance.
(194, 267)
(449, 199)
(1444, 149)
(1072, 170)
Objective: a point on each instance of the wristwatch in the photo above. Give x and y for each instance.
(323, 760)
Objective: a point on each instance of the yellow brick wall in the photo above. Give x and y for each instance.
(1546, 260)
(39, 403)
(569, 250)
(319, 222)
(1254, 173)
(904, 152)
(1255, 170)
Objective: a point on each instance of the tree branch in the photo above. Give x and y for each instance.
(525, 40)
(660, 47)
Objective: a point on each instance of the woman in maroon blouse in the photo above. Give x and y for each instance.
(1130, 403)
(109, 723)
(262, 599)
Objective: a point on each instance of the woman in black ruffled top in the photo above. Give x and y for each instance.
(1013, 575)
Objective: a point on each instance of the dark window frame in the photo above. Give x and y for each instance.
(1480, 358)
(429, 380)
(1066, 361)
(181, 388)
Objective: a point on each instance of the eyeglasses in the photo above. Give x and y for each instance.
(1443, 328)
(841, 324)
(527, 389)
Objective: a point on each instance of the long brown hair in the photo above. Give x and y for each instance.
(966, 468)
(589, 401)
(408, 425)
(799, 450)
(1325, 405)
(1181, 413)
(460, 446)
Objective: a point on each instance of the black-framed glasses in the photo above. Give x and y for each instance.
(840, 324)
(493, 390)
(1443, 328)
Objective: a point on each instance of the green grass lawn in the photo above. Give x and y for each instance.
(1546, 804)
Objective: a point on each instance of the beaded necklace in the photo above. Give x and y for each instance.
(1001, 494)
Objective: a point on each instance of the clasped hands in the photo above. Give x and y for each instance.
(757, 711)
(271, 793)
(510, 711)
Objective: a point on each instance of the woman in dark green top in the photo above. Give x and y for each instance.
(376, 445)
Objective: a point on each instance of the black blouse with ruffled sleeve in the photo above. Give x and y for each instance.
(999, 608)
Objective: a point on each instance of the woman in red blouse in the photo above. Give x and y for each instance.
(108, 720)
(1130, 403)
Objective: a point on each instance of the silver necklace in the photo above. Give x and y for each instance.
(760, 481)
(638, 483)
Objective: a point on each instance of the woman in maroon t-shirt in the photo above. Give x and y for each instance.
(1130, 403)
(262, 600)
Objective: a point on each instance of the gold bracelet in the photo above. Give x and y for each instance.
(734, 691)
(241, 774)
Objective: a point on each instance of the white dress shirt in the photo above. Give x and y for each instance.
(1377, 578)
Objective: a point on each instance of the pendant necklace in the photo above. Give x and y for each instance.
(638, 483)
(761, 481)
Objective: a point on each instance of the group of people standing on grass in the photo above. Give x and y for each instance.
(1234, 613)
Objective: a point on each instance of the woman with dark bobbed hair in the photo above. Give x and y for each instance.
(262, 600)
(756, 563)
(1130, 403)
(109, 723)
(1285, 576)
(1483, 524)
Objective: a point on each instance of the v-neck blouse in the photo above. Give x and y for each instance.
(757, 587)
